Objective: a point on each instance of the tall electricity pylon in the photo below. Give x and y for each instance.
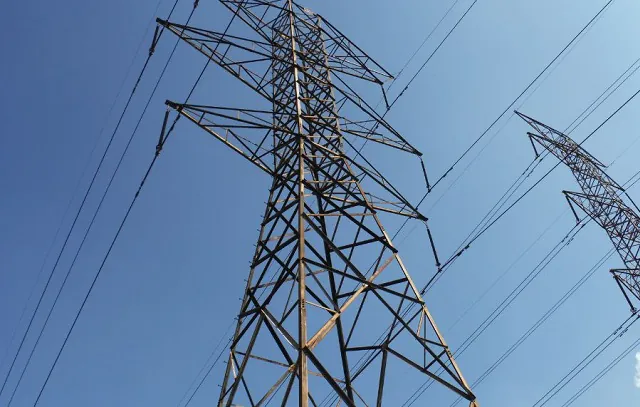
(330, 315)
(601, 199)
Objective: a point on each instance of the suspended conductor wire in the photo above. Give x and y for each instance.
(484, 133)
(95, 279)
(587, 360)
(207, 363)
(513, 114)
(561, 55)
(602, 373)
(540, 322)
(73, 224)
(630, 183)
(424, 42)
(586, 113)
(77, 187)
(455, 256)
(90, 290)
(91, 223)
(358, 151)
(507, 270)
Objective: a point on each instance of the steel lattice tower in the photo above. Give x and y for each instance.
(601, 199)
(325, 279)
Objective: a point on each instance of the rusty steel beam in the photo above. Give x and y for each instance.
(326, 280)
(601, 199)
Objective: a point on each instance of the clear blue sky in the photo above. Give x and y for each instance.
(173, 282)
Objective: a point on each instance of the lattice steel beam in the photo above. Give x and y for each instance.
(325, 277)
(601, 199)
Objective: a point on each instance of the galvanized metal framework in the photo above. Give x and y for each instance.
(325, 279)
(601, 199)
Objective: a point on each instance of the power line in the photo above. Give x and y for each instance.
(79, 182)
(517, 183)
(163, 138)
(520, 105)
(204, 367)
(630, 183)
(424, 42)
(602, 373)
(574, 41)
(506, 302)
(585, 114)
(422, 67)
(95, 279)
(587, 360)
(477, 140)
(90, 187)
(523, 284)
(426, 62)
(541, 321)
(91, 223)
(507, 270)
(455, 256)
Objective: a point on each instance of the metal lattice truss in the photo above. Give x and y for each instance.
(601, 199)
(325, 280)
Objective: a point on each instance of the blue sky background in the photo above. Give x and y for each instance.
(172, 284)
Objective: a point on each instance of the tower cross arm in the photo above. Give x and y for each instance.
(223, 123)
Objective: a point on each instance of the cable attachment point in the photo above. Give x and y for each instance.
(162, 138)
(156, 37)
(573, 209)
(426, 178)
(433, 246)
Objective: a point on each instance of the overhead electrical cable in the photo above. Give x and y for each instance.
(79, 211)
(77, 187)
(510, 106)
(156, 39)
(539, 84)
(569, 46)
(423, 43)
(587, 360)
(583, 279)
(602, 373)
(630, 183)
(207, 367)
(373, 129)
(528, 171)
(507, 270)
(586, 113)
(95, 278)
(483, 230)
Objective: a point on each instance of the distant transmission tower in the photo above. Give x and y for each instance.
(330, 315)
(601, 199)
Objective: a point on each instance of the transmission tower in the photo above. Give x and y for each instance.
(601, 199)
(330, 315)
